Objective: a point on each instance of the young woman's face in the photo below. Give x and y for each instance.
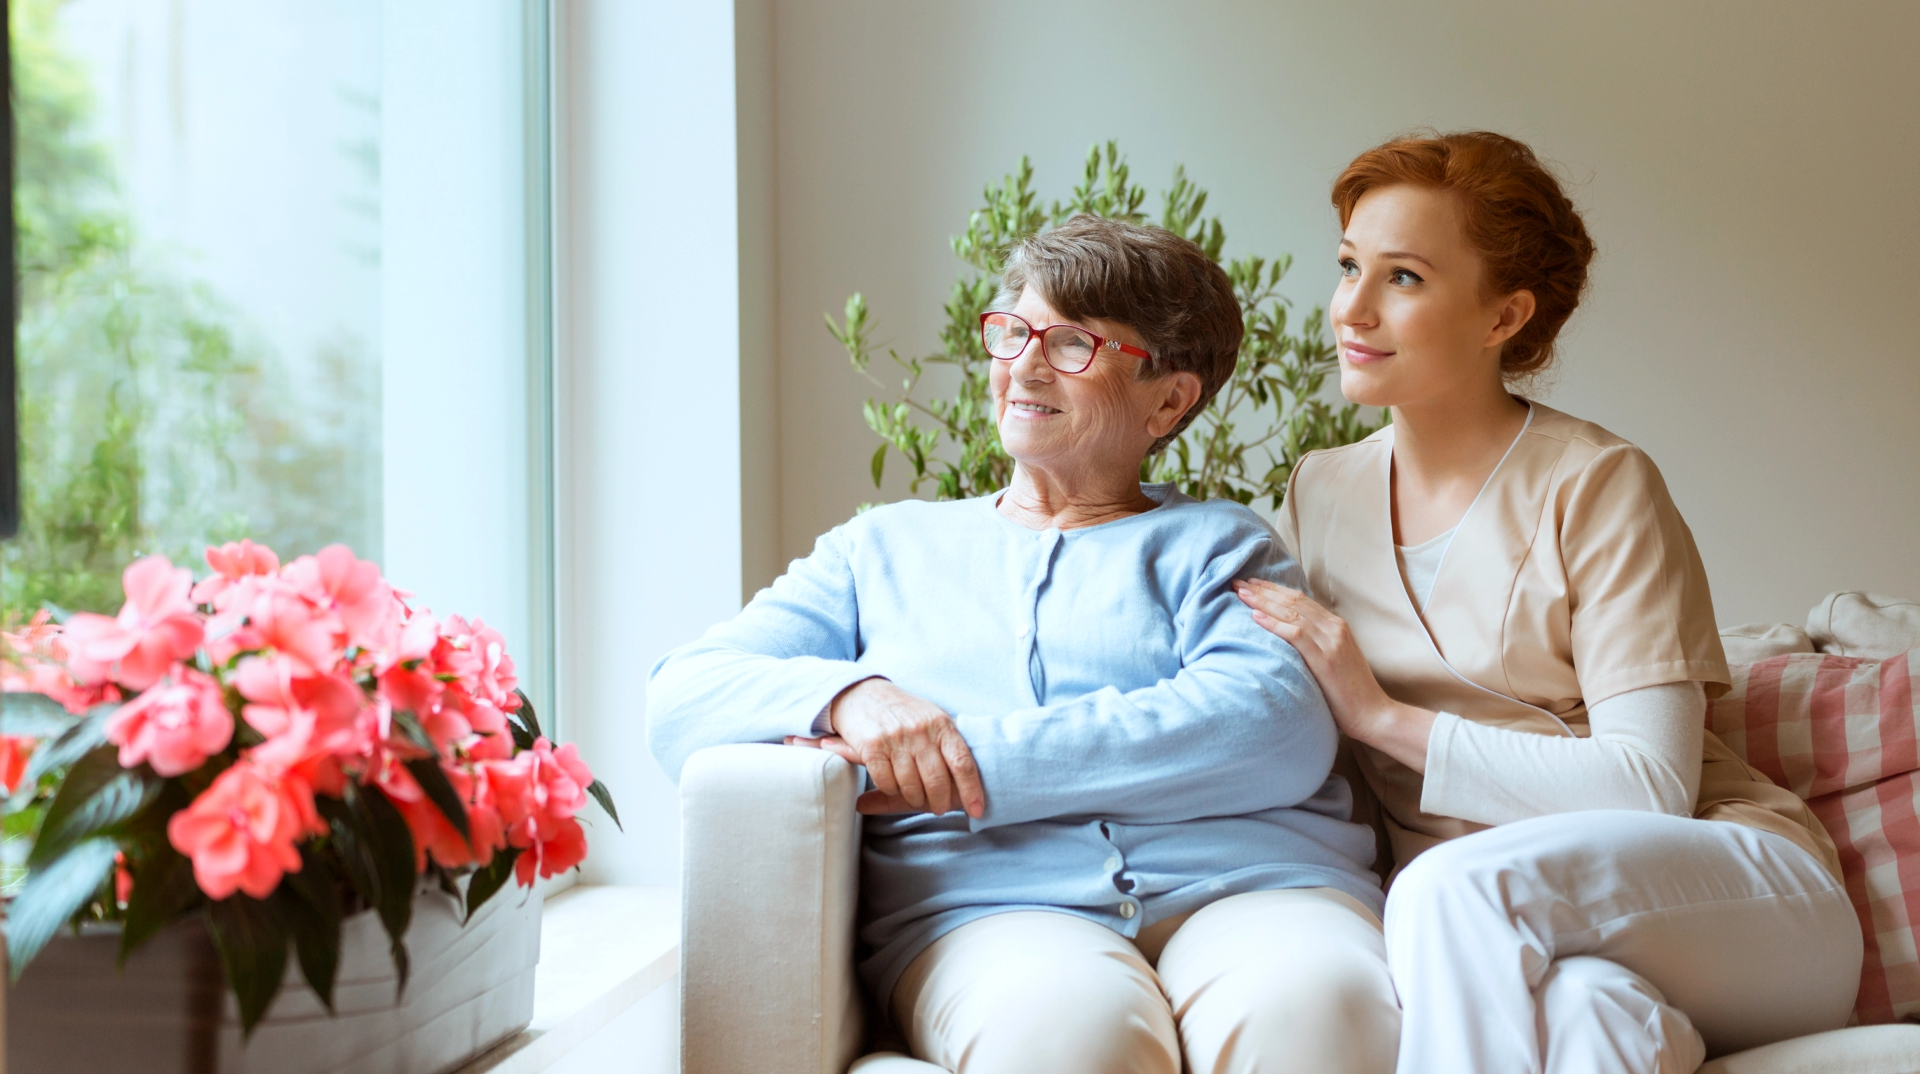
(1410, 317)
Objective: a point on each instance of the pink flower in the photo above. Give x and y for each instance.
(351, 589)
(282, 620)
(304, 718)
(174, 726)
(538, 792)
(566, 849)
(156, 627)
(232, 562)
(476, 656)
(33, 661)
(15, 750)
(241, 831)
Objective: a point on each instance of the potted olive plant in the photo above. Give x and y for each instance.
(1242, 447)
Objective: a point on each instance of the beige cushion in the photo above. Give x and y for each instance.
(1754, 642)
(772, 860)
(1859, 1050)
(1864, 624)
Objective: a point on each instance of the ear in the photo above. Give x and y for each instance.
(1177, 394)
(1515, 311)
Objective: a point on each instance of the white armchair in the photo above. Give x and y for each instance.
(771, 877)
(771, 848)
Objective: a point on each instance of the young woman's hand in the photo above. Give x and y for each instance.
(910, 747)
(1361, 708)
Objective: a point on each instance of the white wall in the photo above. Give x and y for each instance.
(1748, 169)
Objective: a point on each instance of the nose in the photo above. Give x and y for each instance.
(1353, 304)
(1030, 364)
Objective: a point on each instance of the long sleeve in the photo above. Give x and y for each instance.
(768, 672)
(1644, 754)
(1241, 727)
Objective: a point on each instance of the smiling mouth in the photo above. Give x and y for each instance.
(1033, 408)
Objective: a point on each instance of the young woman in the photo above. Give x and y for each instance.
(1513, 627)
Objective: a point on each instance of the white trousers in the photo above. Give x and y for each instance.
(1270, 982)
(1612, 942)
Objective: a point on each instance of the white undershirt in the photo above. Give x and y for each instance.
(1419, 563)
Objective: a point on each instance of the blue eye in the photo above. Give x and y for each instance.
(1405, 277)
(1349, 267)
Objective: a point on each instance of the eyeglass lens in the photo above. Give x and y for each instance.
(1066, 348)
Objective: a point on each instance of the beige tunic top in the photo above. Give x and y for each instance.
(1572, 578)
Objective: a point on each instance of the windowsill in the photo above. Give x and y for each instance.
(602, 950)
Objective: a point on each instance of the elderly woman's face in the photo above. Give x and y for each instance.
(1103, 419)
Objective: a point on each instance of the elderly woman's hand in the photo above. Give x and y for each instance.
(1360, 706)
(914, 754)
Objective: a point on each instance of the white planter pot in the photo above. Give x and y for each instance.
(470, 988)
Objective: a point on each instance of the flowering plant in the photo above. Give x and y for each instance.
(273, 747)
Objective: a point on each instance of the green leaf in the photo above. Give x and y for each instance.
(74, 743)
(163, 891)
(605, 798)
(879, 464)
(96, 794)
(485, 881)
(33, 715)
(439, 790)
(309, 904)
(52, 894)
(252, 943)
(389, 845)
(376, 856)
(409, 726)
(528, 717)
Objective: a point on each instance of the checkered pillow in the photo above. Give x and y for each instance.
(1844, 733)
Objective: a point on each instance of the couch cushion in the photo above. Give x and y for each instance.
(1844, 734)
(1860, 1050)
(1864, 624)
(1754, 642)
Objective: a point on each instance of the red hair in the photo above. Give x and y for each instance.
(1516, 215)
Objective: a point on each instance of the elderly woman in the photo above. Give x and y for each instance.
(1102, 832)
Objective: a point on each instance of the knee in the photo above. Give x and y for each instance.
(1589, 1006)
(1337, 1016)
(1073, 1016)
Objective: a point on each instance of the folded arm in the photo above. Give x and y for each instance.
(768, 672)
(1644, 755)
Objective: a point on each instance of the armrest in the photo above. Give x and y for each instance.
(771, 846)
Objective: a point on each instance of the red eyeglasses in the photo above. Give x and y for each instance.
(1065, 347)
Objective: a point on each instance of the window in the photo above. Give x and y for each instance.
(284, 276)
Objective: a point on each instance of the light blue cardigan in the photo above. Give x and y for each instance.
(1145, 747)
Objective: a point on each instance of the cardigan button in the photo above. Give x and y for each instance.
(1127, 911)
(1113, 863)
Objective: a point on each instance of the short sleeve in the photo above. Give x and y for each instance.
(1642, 612)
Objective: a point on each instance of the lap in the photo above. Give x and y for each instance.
(1283, 980)
(1741, 929)
(1036, 991)
(1266, 981)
